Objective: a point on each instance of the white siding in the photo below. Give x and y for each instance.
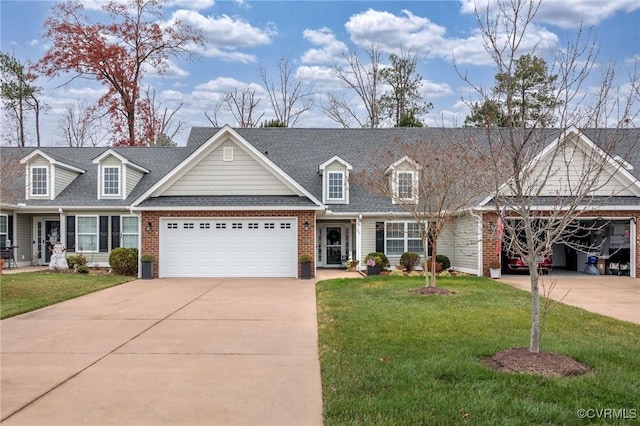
(446, 242)
(133, 177)
(368, 237)
(567, 167)
(24, 240)
(242, 176)
(466, 253)
(63, 178)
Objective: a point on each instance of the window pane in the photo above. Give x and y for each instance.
(415, 245)
(111, 181)
(3, 224)
(130, 225)
(395, 230)
(130, 241)
(335, 185)
(405, 185)
(395, 247)
(87, 225)
(39, 181)
(413, 230)
(87, 243)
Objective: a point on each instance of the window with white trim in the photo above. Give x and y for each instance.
(87, 233)
(111, 181)
(401, 237)
(39, 181)
(4, 229)
(130, 231)
(405, 185)
(335, 186)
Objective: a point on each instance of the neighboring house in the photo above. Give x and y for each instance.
(249, 202)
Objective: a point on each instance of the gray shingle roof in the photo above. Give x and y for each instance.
(297, 151)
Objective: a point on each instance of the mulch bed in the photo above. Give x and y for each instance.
(439, 291)
(547, 364)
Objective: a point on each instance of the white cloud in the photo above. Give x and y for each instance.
(391, 32)
(225, 31)
(565, 13)
(431, 89)
(191, 4)
(319, 76)
(330, 47)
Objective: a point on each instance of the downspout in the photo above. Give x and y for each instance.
(480, 243)
(633, 245)
(139, 240)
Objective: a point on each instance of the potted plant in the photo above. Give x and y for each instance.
(148, 262)
(375, 262)
(495, 270)
(305, 266)
(352, 265)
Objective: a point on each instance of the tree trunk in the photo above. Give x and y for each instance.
(433, 262)
(534, 343)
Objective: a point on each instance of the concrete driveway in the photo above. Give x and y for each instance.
(167, 352)
(613, 296)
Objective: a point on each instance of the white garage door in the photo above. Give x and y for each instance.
(247, 247)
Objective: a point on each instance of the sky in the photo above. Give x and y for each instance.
(242, 35)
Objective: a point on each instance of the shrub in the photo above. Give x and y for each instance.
(148, 258)
(379, 258)
(124, 261)
(305, 258)
(75, 260)
(409, 260)
(446, 263)
(82, 269)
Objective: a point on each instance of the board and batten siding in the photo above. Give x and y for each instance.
(241, 176)
(466, 253)
(63, 178)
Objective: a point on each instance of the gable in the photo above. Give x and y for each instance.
(227, 169)
(566, 168)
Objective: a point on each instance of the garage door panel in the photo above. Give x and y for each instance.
(228, 247)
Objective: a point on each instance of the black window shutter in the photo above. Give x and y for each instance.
(9, 231)
(115, 232)
(104, 234)
(71, 233)
(380, 237)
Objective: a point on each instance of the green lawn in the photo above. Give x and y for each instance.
(390, 356)
(24, 292)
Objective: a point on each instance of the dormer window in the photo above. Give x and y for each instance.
(335, 180)
(336, 186)
(39, 181)
(111, 181)
(405, 185)
(403, 180)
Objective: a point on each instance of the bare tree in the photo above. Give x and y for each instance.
(157, 124)
(290, 97)
(241, 104)
(544, 179)
(431, 180)
(364, 79)
(81, 125)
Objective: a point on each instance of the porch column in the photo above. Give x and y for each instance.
(359, 241)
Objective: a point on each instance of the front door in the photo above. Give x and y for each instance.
(47, 232)
(334, 245)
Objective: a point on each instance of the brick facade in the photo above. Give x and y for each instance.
(490, 241)
(151, 239)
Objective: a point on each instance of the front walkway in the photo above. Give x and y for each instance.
(613, 296)
(167, 352)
